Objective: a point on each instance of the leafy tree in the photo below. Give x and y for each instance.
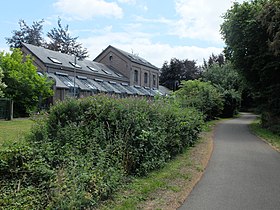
(270, 20)
(251, 33)
(229, 83)
(27, 34)
(201, 95)
(214, 59)
(178, 70)
(2, 84)
(62, 41)
(24, 85)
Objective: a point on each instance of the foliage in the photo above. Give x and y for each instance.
(27, 34)
(2, 84)
(271, 137)
(213, 60)
(270, 19)
(62, 41)
(24, 85)
(202, 96)
(178, 70)
(229, 83)
(82, 150)
(251, 33)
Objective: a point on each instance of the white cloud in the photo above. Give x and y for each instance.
(140, 43)
(87, 9)
(127, 1)
(200, 19)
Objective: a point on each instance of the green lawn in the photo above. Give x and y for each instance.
(265, 134)
(11, 131)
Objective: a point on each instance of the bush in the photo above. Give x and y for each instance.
(84, 149)
(201, 95)
(228, 81)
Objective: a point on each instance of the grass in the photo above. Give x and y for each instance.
(141, 189)
(12, 131)
(272, 138)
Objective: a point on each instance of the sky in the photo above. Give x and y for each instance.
(156, 30)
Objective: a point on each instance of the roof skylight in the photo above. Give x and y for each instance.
(119, 75)
(92, 68)
(75, 64)
(81, 77)
(106, 72)
(54, 60)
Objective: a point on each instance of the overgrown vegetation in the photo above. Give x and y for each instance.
(271, 137)
(201, 95)
(229, 83)
(251, 33)
(82, 150)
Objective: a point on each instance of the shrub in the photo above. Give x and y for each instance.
(201, 95)
(84, 149)
(228, 81)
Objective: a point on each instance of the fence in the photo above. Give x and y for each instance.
(6, 108)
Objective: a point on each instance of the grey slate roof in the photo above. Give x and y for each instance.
(65, 81)
(134, 58)
(46, 56)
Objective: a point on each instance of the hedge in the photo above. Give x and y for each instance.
(81, 150)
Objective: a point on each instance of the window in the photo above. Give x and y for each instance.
(145, 77)
(135, 76)
(54, 60)
(86, 82)
(111, 58)
(154, 80)
(106, 72)
(119, 75)
(75, 65)
(92, 69)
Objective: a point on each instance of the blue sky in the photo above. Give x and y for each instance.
(156, 30)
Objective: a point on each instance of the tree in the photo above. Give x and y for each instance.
(251, 33)
(62, 41)
(270, 20)
(178, 70)
(201, 95)
(228, 81)
(27, 34)
(2, 84)
(24, 85)
(214, 59)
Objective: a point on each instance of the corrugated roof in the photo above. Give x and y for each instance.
(58, 82)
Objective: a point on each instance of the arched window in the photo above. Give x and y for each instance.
(154, 80)
(135, 76)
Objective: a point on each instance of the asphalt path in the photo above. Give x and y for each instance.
(242, 174)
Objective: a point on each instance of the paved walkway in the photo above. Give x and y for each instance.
(243, 172)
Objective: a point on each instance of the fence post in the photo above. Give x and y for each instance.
(11, 110)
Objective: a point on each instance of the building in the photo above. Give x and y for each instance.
(112, 72)
(138, 70)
